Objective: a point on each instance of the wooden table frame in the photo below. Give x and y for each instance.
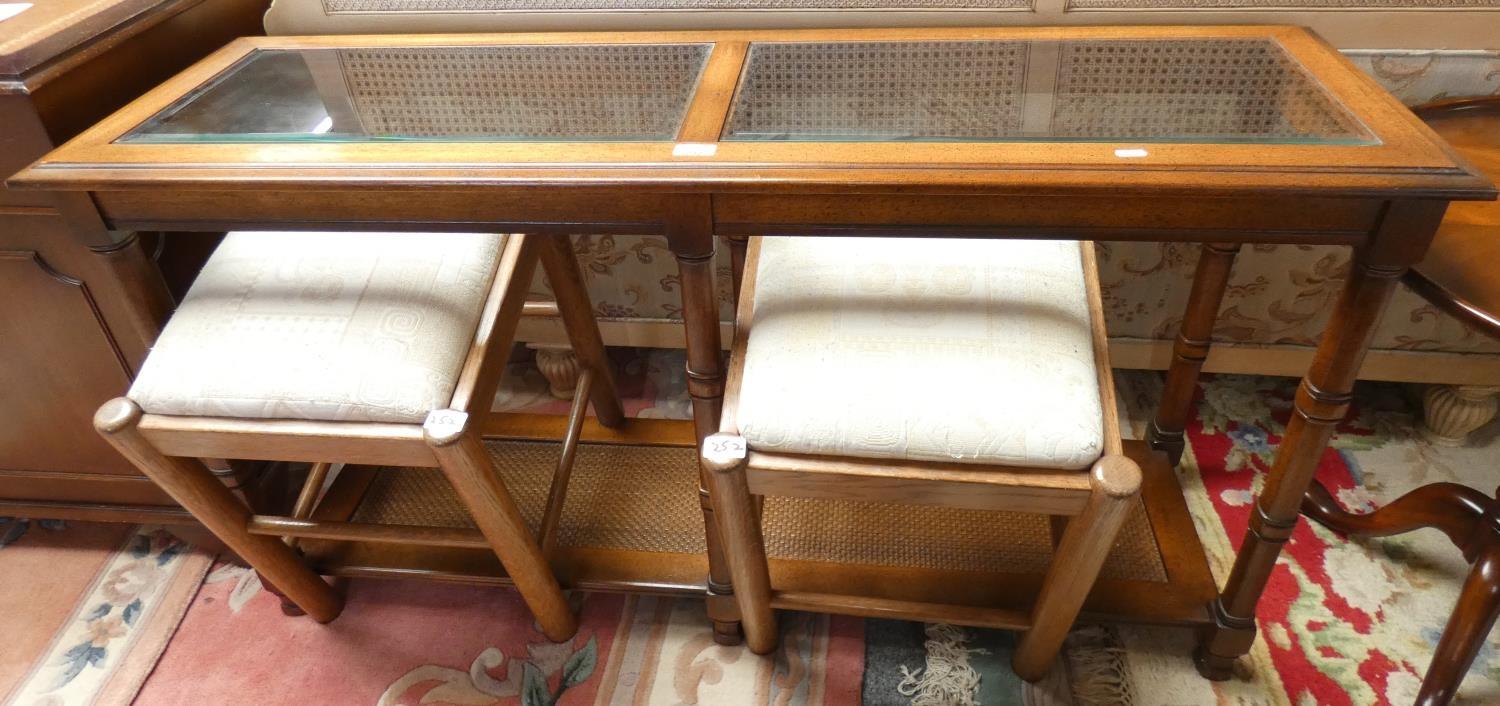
(1384, 200)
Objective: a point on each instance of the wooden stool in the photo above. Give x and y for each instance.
(359, 348)
(1022, 420)
(1458, 275)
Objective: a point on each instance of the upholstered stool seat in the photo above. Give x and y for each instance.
(323, 326)
(969, 351)
(930, 373)
(373, 350)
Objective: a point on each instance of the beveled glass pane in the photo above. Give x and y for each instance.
(625, 92)
(1202, 90)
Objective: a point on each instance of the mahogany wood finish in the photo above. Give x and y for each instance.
(166, 447)
(1321, 402)
(80, 307)
(1165, 433)
(1472, 521)
(1457, 275)
(1383, 199)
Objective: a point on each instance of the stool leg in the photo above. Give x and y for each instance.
(464, 461)
(744, 546)
(577, 314)
(193, 486)
(1468, 627)
(1086, 542)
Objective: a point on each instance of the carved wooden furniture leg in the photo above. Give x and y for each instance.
(1451, 412)
(191, 484)
(1472, 521)
(1468, 627)
(1322, 401)
(461, 455)
(1165, 432)
(578, 317)
(1116, 482)
(1452, 508)
(690, 235)
(560, 367)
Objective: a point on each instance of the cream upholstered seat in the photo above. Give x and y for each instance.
(849, 334)
(830, 395)
(324, 326)
(367, 349)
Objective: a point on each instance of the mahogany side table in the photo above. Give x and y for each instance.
(1460, 276)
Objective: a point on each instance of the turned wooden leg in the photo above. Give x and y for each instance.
(561, 368)
(1451, 412)
(744, 546)
(583, 331)
(1468, 627)
(468, 468)
(1194, 338)
(1322, 401)
(1086, 541)
(690, 235)
(191, 484)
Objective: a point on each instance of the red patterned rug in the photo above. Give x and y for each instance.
(1343, 623)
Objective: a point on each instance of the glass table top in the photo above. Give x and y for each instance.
(559, 93)
(1221, 90)
(1204, 90)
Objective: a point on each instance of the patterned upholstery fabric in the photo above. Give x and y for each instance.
(1005, 323)
(326, 326)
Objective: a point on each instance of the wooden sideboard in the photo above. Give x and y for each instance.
(70, 328)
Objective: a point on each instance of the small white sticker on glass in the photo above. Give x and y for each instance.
(11, 9)
(1130, 152)
(694, 149)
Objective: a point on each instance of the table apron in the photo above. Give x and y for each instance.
(1251, 219)
(520, 210)
(1279, 219)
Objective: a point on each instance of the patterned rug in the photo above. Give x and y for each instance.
(1345, 622)
(88, 608)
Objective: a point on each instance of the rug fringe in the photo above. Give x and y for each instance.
(947, 679)
(1096, 661)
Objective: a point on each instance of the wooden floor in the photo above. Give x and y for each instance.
(632, 523)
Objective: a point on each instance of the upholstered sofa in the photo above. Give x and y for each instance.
(1279, 297)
